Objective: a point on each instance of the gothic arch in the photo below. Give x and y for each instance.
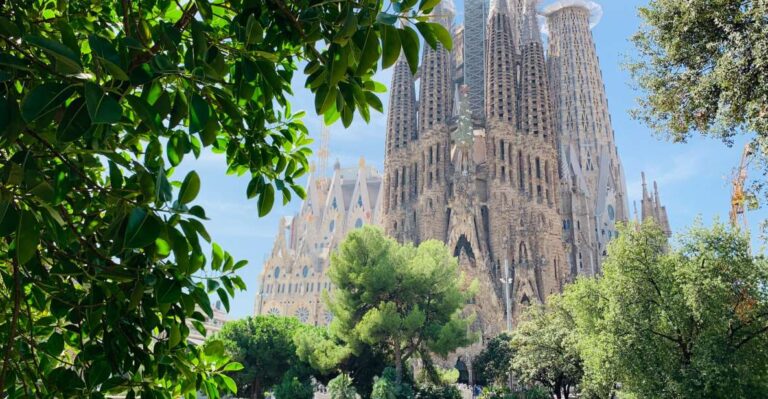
(464, 245)
(522, 253)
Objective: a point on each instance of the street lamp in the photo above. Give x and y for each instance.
(507, 281)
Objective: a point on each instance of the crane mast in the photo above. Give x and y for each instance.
(738, 215)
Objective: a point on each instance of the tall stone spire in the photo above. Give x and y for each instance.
(501, 97)
(536, 106)
(530, 30)
(436, 86)
(402, 130)
(583, 122)
(653, 209)
(401, 115)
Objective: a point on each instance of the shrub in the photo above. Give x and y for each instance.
(341, 388)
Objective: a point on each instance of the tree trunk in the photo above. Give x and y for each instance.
(398, 364)
(257, 392)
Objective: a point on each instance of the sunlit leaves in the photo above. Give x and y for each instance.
(189, 188)
(101, 103)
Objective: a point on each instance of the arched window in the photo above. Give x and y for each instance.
(305, 272)
(302, 314)
(333, 203)
(523, 253)
(277, 272)
(358, 223)
(332, 226)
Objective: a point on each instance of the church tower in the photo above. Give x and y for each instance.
(399, 175)
(501, 131)
(594, 199)
(431, 160)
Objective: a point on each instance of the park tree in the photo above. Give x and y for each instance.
(702, 66)
(264, 346)
(403, 300)
(545, 349)
(492, 365)
(341, 387)
(681, 321)
(102, 249)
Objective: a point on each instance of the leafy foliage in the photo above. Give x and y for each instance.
(102, 254)
(399, 299)
(545, 350)
(492, 365)
(264, 345)
(316, 347)
(438, 392)
(690, 321)
(341, 388)
(294, 386)
(702, 66)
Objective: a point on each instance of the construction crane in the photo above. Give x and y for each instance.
(738, 215)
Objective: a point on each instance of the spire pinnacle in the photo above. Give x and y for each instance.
(531, 31)
(498, 7)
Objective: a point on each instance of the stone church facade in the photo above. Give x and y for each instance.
(294, 276)
(523, 183)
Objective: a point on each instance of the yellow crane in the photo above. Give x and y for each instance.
(738, 215)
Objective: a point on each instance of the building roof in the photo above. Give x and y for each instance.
(595, 11)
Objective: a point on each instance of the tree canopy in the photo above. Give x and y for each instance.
(492, 365)
(690, 320)
(545, 350)
(702, 66)
(103, 251)
(400, 299)
(264, 346)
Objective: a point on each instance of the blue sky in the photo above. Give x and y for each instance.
(694, 178)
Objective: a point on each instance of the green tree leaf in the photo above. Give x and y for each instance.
(266, 199)
(57, 50)
(27, 237)
(189, 188)
(442, 35)
(75, 122)
(44, 99)
(410, 41)
(168, 291)
(102, 108)
(390, 42)
(199, 113)
(142, 229)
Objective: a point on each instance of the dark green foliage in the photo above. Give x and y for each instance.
(492, 365)
(294, 386)
(363, 367)
(438, 392)
(264, 345)
(102, 259)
